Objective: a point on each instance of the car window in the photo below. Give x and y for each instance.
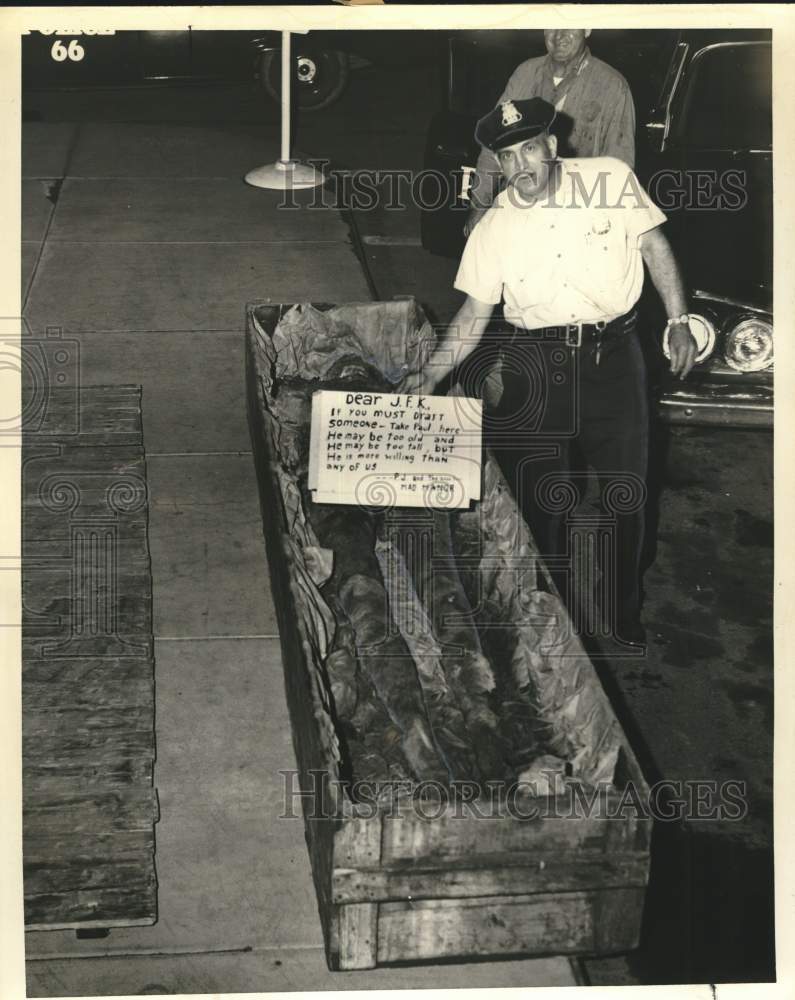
(481, 67)
(727, 103)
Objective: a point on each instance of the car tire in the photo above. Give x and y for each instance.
(319, 76)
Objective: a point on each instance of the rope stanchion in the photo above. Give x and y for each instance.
(285, 173)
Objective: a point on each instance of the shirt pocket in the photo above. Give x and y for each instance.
(606, 254)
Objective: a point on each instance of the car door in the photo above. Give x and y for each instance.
(165, 55)
(713, 176)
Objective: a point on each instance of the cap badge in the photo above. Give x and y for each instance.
(510, 113)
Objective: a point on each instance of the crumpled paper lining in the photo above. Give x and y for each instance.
(585, 730)
(395, 337)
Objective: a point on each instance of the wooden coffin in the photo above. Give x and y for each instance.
(550, 874)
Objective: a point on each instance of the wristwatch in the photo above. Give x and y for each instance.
(676, 320)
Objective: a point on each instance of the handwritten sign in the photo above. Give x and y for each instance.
(387, 450)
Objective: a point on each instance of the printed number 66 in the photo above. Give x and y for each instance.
(59, 52)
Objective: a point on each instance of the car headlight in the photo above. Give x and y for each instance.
(749, 346)
(704, 333)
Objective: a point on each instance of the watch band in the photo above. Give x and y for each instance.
(673, 320)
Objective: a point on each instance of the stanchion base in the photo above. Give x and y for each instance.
(283, 175)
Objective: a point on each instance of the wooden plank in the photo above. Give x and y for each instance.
(127, 763)
(42, 642)
(114, 809)
(74, 723)
(47, 539)
(131, 616)
(94, 435)
(358, 936)
(90, 501)
(42, 845)
(127, 630)
(43, 878)
(57, 697)
(60, 616)
(119, 905)
(551, 873)
(42, 583)
(74, 753)
(104, 925)
(93, 415)
(89, 807)
(73, 459)
(557, 923)
(357, 844)
(86, 671)
(43, 587)
(460, 838)
(63, 684)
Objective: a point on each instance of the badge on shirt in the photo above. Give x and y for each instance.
(601, 227)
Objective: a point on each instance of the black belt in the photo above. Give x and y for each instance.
(577, 334)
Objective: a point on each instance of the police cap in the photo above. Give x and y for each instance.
(514, 121)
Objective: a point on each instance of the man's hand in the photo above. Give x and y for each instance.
(682, 348)
(417, 383)
(664, 271)
(457, 343)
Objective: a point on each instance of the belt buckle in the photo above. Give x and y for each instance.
(577, 342)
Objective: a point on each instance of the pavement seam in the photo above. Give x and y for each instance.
(35, 269)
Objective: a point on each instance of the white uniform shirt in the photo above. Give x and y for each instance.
(572, 257)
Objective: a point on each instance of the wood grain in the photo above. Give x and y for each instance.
(89, 803)
(358, 936)
(552, 872)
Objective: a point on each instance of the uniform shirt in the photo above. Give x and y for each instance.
(572, 257)
(592, 94)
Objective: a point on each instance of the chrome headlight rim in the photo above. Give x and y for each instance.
(734, 329)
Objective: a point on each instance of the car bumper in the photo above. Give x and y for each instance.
(718, 404)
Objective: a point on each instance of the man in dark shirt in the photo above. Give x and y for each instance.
(595, 113)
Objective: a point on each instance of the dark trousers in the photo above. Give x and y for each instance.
(560, 409)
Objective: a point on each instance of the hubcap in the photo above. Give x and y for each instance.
(307, 70)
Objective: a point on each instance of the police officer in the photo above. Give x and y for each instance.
(564, 247)
(596, 114)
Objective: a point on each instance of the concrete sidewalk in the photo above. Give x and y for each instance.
(142, 243)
